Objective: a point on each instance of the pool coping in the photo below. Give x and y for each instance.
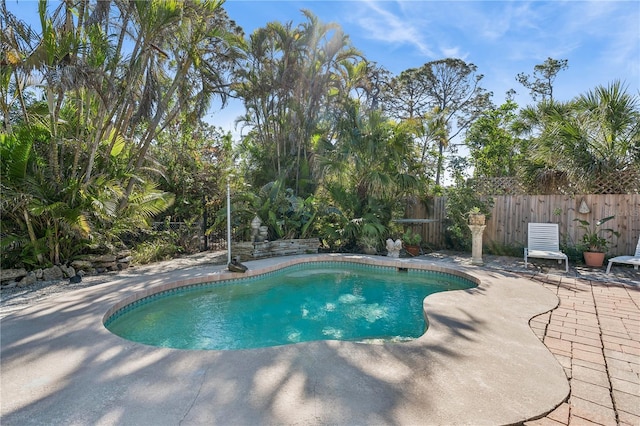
(225, 276)
(60, 365)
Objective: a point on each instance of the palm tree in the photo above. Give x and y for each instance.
(292, 77)
(368, 169)
(591, 140)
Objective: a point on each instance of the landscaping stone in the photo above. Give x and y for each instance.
(123, 254)
(102, 258)
(28, 280)
(68, 271)
(12, 274)
(53, 273)
(257, 250)
(82, 265)
(107, 266)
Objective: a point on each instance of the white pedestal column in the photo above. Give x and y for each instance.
(476, 244)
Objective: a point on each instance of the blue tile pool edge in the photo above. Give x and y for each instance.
(225, 278)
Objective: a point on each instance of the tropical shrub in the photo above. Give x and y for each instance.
(285, 214)
(460, 200)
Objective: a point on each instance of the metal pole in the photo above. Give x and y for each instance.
(228, 222)
(205, 219)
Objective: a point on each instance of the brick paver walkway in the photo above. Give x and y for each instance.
(595, 335)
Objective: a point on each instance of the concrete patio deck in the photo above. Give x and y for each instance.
(595, 335)
(479, 362)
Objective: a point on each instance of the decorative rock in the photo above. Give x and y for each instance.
(83, 265)
(38, 273)
(53, 273)
(63, 268)
(71, 271)
(110, 266)
(12, 274)
(248, 250)
(68, 271)
(123, 254)
(103, 258)
(28, 280)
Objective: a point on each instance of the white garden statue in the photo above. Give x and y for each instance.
(393, 247)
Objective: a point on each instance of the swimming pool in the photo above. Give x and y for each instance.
(304, 302)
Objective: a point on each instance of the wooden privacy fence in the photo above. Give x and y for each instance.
(507, 225)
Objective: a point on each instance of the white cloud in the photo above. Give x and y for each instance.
(378, 22)
(452, 52)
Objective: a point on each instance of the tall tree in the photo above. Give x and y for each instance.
(445, 96)
(113, 76)
(540, 84)
(368, 169)
(289, 83)
(494, 143)
(196, 50)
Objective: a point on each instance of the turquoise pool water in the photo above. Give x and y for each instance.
(306, 302)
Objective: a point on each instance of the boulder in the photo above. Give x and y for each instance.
(68, 271)
(12, 274)
(123, 254)
(108, 266)
(101, 258)
(28, 280)
(53, 273)
(82, 265)
(38, 273)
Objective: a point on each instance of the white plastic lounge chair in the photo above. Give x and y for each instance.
(544, 242)
(630, 260)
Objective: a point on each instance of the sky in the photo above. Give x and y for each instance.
(600, 39)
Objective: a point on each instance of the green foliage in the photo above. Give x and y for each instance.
(83, 151)
(367, 173)
(544, 75)
(159, 246)
(285, 214)
(592, 239)
(293, 77)
(460, 200)
(444, 97)
(573, 252)
(411, 238)
(194, 161)
(348, 220)
(493, 143)
(578, 144)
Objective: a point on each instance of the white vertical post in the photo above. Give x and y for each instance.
(228, 221)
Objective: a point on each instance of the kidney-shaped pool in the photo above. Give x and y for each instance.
(300, 303)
